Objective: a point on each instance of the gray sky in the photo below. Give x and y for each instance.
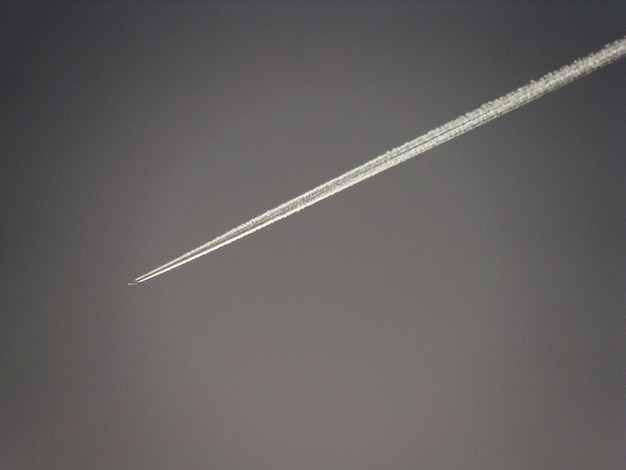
(462, 310)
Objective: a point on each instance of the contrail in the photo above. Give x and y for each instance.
(471, 120)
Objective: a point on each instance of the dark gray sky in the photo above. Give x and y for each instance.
(462, 310)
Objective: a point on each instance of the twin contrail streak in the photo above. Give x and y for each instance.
(473, 119)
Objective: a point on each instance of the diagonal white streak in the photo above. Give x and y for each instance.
(471, 120)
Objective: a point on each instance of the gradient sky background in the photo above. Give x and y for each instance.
(462, 310)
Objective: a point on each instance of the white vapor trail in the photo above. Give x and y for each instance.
(471, 120)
